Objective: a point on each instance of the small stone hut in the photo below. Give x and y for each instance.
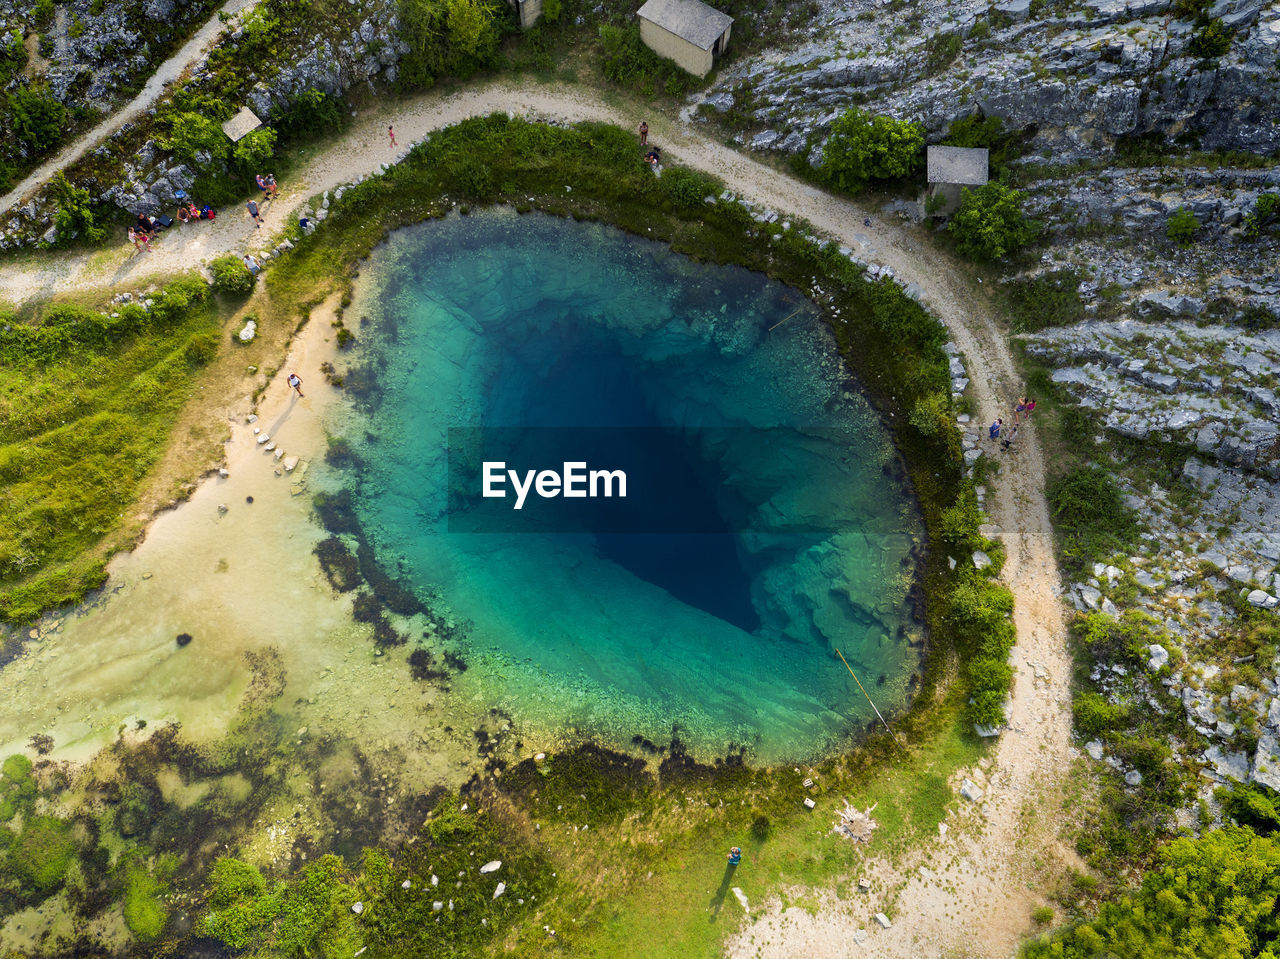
(686, 31)
(241, 125)
(953, 168)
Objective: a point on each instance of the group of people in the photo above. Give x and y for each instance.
(143, 232)
(652, 155)
(1022, 411)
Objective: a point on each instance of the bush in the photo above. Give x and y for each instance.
(977, 131)
(1182, 226)
(194, 133)
(37, 118)
(313, 113)
(1095, 716)
(447, 36)
(1211, 896)
(1050, 299)
(230, 276)
(1264, 213)
(1213, 39)
(941, 50)
(627, 61)
(255, 150)
(990, 223)
(42, 14)
(13, 57)
(1090, 516)
(862, 148)
(688, 188)
(74, 219)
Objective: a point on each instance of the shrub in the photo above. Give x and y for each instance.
(313, 113)
(687, 188)
(990, 223)
(941, 50)
(976, 131)
(862, 148)
(1090, 516)
(1213, 39)
(1095, 716)
(1050, 299)
(42, 14)
(38, 119)
(13, 57)
(1210, 896)
(74, 218)
(255, 150)
(1264, 213)
(191, 134)
(629, 62)
(230, 276)
(1182, 226)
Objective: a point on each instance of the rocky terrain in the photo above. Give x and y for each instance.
(1076, 75)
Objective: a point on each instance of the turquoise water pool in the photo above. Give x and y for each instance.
(780, 526)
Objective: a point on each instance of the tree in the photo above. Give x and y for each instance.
(194, 133)
(862, 148)
(255, 149)
(38, 119)
(1213, 896)
(990, 223)
(1213, 39)
(1182, 226)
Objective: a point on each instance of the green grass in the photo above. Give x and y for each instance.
(685, 848)
(144, 911)
(86, 405)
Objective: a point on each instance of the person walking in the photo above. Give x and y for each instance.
(391, 134)
(644, 133)
(253, 212)
(271, 186)
(262, 184)
(1019, 408)
(295, 381)
(1009, 438)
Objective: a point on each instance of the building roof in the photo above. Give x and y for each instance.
(241, 125)
(963, 165)
(690, 20)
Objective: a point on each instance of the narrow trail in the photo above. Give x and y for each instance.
(976, 900)
(165, 74)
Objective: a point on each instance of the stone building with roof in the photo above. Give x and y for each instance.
(686, 31)
(951, 169)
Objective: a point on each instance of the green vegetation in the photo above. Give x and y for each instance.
(941, 51)
(448, 38)
(1003, 146)
(990, 223)
(86, 402)
(17, 788)
(979, 616)
(862, 148)
(1253, 805)
(38, 119)
(1212, 39)
(628, 62)
(1211, 896)
(144, 911)
(1090, 517)
(191, 134)
(1264, 215)
(230, 276)
(1049, 299)
(43, 852)
(1182, 226)
(13, 56)
(75, 218)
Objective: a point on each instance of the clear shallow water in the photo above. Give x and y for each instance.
(534, 322)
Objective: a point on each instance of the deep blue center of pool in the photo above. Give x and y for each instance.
(777, 528)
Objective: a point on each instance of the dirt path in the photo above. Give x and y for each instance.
(165, 74)
(980, 904)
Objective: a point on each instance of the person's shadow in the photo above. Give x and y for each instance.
(718, 899)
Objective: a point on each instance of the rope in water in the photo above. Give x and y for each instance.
(864, 693)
